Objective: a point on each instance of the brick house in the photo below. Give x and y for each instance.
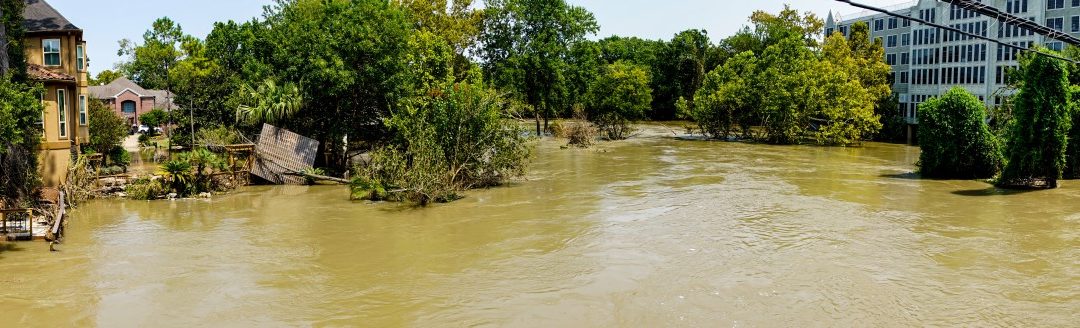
(130, 101)
(56, 58)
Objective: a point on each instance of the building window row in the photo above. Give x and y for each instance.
(924, 56)
(964, 53)
(1055, 4)
(976, 28)
(924, 76)
(926, 36)
(929, 15)
(956, 13)
(1012, 30)
(1016, 6)
(1010, 53)
(963, 75)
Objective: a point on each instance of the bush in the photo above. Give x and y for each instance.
(455, 140)
(119, 156)
(218, 136)
(145, 189)
(1072, 156)
(154, 119)
(1041, 123)
(619, 96)
(956, 141)
(107, 130)
(144, 139)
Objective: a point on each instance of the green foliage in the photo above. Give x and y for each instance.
(893, 124)
(218, 136)
(145, 189)
(312, 171)
(179, 175)
(192, 172)
(956, 141)
(269, 103)
(524, 45)
(104, 77)
(457, 140)
(107, 129)
(119, 156)
(14, 29)
(144, 139)
(154, 119)
(679, 71)
(148, 64)
(1072, 155)
(1042, 119)
(20, 109)
(728, 97)
(620, 95)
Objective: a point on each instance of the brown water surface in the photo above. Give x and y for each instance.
(650, 232)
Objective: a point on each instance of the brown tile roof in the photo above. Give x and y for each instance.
(40, 73)
(39, 16)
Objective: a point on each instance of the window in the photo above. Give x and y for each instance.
(1055, 4)
(905, 58)
(80, 58)
(82, 110)
(891, 41)
(890, 59)
(41, 123)
(829, 31)
(893, 22)
(1076, 23)
(61, 112)
(905, 40)
(1057, 23)
(1055, 46)
(1076, 3)
(128, 107)
(51, 49)
(879, 24)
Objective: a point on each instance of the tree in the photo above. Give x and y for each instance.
(1042, 112)
(524, 46)
(269, 103)
(681, 68)
(20, 110)
(955, 139)
(620, 95)
(786, 71)
(105, 77)
(455, 22)
(148, 63)
(107, 129)
(728, 96)
(842, 96)
(12, 54)
(154, 119)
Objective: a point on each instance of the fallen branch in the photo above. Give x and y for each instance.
(317, 177)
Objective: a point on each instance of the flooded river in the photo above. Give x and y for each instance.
(651, 232)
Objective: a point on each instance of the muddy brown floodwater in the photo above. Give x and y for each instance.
(652, 232)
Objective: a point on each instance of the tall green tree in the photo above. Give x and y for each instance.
(728, 96)
(20, 110)
(455, 22)
(619, 96)
(148, 63)
(1042, 118)
(955, 139)
(12, 55)
(680, 70)
(524, 45)
(107, 130)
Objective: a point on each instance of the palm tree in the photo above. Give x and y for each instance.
(269, 103)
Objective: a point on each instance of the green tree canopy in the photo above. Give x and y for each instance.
(107, 129)
(1042, 119)
(148, 63)
(524, 46)
(955, 139)
(620, 95)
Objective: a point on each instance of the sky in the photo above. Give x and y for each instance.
(105, 22)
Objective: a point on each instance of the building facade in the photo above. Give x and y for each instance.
(56, 58)
(927, 61)
(130, 101)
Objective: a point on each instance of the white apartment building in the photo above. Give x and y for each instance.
(927, 61)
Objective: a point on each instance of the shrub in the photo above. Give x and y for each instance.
(218, 136)
(107, 130)
(153, 119)
(145, 189)
(619, 96)
(956, 141)
(1072, 156)
(455, 140)
(119, 156)
(1042, 120)
(144, 139)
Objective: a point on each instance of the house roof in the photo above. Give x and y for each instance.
(116, 87)
(40, 73)
(122, 84)
(39, 16)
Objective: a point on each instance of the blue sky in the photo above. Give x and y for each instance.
(107, 21)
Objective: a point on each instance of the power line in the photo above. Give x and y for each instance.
(972, 35)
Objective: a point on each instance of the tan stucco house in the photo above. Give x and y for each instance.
(56, 58)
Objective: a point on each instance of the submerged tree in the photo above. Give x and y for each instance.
(956, 141)
(1042, 119)
(619, 96)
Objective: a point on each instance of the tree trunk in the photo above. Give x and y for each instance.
(539, 134)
